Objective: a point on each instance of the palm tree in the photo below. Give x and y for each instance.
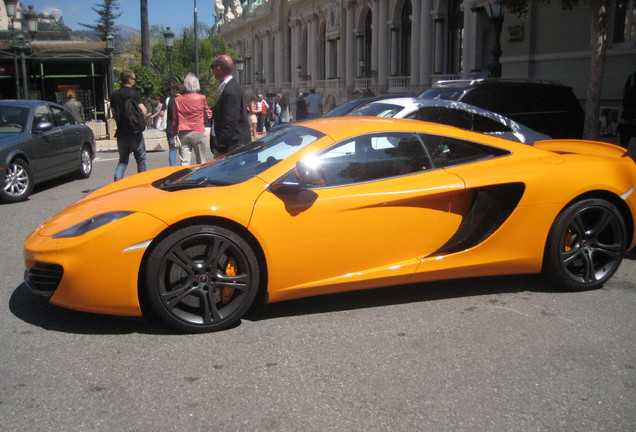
(145, 34)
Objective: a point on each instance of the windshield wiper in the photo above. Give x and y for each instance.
(193, 183)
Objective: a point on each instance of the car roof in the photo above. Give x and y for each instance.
(464, 83)
(415, 102)
(26, 103)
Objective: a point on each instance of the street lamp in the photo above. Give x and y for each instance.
(363, 69)
(196, 42)
(259, 80)
(239, 65)
(110, 49)
(301, 75)
(495, 12)
(169, 35)
(19, 43)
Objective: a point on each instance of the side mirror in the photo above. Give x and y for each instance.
(43, 126)
(308, 175)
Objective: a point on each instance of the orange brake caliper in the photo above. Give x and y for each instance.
(227, 292)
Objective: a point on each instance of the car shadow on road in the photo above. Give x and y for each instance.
(401, 294)
(39, 312)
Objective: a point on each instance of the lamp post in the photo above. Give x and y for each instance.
(240, 65)
(19, 44)
(169, 36)
(110, 49)
(196, 42)
(362, 63)
(495, 12)
(301, 75)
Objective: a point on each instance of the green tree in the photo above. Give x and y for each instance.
(183, 58)
(599, 48)
(105, 23)
(146, 80)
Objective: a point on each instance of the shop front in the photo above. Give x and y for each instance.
(46, 70)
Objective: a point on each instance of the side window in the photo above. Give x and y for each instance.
(372, 157)
(42, 114)
(487, 125)
(61, 117)
(444, 115)
(447, 152)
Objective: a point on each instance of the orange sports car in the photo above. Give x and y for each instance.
(334, 205)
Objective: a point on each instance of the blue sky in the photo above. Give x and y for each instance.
(169, 13)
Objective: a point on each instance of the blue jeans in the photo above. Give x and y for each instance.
(126, 145)
(172, 151)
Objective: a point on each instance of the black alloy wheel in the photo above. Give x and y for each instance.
(201, 278)
(86, 163)
(17, 184)
(585, 246)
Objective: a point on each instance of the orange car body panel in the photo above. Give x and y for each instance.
(327, 240)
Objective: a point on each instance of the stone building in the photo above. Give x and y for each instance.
(345, 48)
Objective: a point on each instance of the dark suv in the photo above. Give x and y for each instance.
(547, 107)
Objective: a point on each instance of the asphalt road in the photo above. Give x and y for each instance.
(490, 354)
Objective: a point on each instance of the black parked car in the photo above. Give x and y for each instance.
(39, 141)
(547, 107)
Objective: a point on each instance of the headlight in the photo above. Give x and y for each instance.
(91, 224)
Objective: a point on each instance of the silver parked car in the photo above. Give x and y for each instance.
(458, 114)
(40, 141)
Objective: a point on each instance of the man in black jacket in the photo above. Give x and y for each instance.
(231, 126)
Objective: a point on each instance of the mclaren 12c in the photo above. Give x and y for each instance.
(334, 205)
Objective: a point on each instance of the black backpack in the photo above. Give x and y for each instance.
(132, 120)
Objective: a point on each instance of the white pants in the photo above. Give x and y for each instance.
(192, 142)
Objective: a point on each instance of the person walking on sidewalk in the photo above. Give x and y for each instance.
(129, 138)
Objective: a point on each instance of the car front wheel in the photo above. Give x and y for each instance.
(201, 278)
(18, 182)
(585, 246)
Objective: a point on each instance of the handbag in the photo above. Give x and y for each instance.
(176, 141)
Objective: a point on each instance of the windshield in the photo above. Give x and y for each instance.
(447, 93)
(343, 109)
(378, 109)
(13, 119)
(245, 162)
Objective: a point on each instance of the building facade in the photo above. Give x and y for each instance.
(345, 48)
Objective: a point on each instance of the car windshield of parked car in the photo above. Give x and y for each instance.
(445, 93)
(377, 109)
(245, 162)
(13, 119)
(343, 109)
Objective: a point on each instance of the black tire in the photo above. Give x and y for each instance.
(86, 163)
(585, 246)
(17, 183)
(201, 278)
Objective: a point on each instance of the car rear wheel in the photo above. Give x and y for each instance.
(18, 182)
(201, 278)
(585, 245)
(86, 163)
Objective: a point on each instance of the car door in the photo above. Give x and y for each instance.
(71, 135)
(382, 207)
(48, 157)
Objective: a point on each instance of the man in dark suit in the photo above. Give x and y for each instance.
(231, 125)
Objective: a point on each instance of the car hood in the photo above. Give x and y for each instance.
(137, 194)
(7, 139)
